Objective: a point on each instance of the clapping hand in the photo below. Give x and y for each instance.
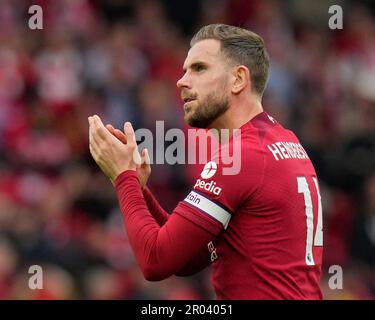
(112, 155)
(144, 169)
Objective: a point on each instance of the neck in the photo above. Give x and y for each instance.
(239, 113)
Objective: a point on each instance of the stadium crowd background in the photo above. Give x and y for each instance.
(121, 60)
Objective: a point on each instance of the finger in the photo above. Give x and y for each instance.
(121, 136)
(117, 133)
(89, 119)
(99, 129)
(129, 133)
(97, 120)
(90, 134)
(93, 147)
(91, 129)
(110, 128)
(95, 140)
(94, 137)
(93, 144)
(145, 157)
(132, 143)
(93, 151)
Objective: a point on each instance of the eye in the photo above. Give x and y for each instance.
(200, 67)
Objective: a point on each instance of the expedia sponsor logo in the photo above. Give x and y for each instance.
(208, 186)
(209, 170)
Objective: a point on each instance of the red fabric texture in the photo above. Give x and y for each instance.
(161, 251)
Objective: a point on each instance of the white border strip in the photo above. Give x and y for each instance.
(199, 201)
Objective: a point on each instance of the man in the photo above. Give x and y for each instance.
(262, 229)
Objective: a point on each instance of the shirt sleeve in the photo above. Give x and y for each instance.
(161, 216)
(219, 192)
(161, 251)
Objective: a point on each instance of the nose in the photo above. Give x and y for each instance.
(183, 82)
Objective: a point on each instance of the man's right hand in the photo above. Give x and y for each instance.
(143, 170)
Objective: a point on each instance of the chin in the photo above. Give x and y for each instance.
(188, 116)
(196, 124)
(188, 119)
(191, 123)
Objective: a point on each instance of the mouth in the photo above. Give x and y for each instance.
(187, 101)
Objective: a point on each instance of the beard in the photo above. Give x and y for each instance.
(207, 111)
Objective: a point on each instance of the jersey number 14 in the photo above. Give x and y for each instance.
(303, 187)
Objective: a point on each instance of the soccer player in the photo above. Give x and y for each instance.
(260, 228)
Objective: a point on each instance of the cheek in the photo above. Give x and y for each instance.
(209, 86)
(212, 84)
(219, 82)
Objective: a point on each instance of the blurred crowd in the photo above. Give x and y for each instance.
(121, 60)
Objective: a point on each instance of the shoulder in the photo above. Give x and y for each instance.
(235, 172)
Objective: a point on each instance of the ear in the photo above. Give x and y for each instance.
(241, 76)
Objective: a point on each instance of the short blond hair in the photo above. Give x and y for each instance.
(243, 47)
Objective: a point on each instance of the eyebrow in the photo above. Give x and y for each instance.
(194, 65)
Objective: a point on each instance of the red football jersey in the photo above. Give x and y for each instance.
(271, 242)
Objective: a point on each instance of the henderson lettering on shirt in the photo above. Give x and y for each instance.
(287, 150)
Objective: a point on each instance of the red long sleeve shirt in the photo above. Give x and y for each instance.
(262, 226)
(160, 215)
(163, 244)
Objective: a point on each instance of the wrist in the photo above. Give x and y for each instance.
(125, 175)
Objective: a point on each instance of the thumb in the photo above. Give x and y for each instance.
(131, 142)
(145, 157)
(129, 132)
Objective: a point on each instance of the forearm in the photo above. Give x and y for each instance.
(200, 262)
(160, 251)
(161, 216)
